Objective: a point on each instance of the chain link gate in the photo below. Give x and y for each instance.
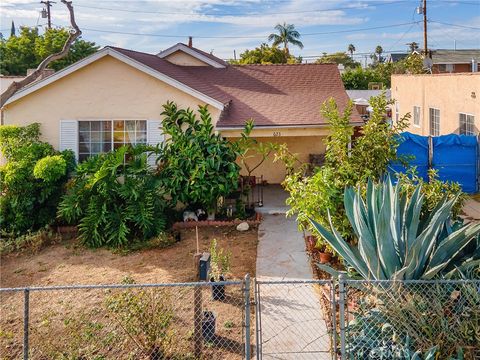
(295, 319)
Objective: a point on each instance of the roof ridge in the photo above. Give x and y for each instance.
(301, 64)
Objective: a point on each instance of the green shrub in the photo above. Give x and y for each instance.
(321, 194)
(115, 198)
(50, 168)
(146, 315)
(198, 166)
(434, 190)
(28, 201)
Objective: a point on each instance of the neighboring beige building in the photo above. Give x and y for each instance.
(115, 97)
(439, 104)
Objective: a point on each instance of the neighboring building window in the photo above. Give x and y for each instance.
(446, 68)
(99, 136)
(416, 116)
(434, 122)
(467, 124)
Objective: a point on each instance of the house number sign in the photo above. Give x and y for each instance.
(277, 133)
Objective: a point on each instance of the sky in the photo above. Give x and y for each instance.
(222, 26)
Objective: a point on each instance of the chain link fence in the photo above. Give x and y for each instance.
(314, 319)
(293, 320)
(398, 319)
(128, 321)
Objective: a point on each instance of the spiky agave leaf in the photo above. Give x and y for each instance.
(394, 240)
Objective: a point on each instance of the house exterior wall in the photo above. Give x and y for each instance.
(457, 68)
(105, 89)
(275, 173)
(452, 94)
(183, 59)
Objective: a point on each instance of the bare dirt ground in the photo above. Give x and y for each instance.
(83, 323)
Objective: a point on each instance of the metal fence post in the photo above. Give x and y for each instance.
(247, 317)
(26, 313)
(257, 319)
(341, 303)
(333, 304)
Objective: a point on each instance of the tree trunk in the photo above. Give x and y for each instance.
(74, 33)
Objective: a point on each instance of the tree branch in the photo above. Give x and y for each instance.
(74, 34)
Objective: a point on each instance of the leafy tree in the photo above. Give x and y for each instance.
(379, 52)
(321, 195)
(197, 165)
(359, 78)
(32, 180)
(413, 46)
(29, 48)
(338, 58)
(286, 34)
(265, 54)
(351, 49)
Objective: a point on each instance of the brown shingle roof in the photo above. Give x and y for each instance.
(272, 95)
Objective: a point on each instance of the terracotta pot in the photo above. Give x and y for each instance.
(325, 258)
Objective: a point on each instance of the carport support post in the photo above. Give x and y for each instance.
(247, 317)
(197, 309)
(26, 313)
(341, 303)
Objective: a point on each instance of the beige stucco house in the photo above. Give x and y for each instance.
(115, 96)
(439, 104)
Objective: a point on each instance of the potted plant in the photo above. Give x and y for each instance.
(219, 266)
(324, 254)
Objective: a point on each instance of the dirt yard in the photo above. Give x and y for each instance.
(98, 323)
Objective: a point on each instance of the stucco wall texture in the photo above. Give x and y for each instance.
(452, 94)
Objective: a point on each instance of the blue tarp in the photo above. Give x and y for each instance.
(414, 148)
(455, 157)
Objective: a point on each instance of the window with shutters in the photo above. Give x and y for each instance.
(434, 122)
(467, 124)
(99, 136)
(416, 116)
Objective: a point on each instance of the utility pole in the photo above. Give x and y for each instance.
(425, 28)
(48, 4)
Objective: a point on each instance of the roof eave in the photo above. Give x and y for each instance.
(191, 52)
(125, 59)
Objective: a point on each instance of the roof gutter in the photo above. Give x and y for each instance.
(260, 127)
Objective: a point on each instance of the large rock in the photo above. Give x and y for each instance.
(243, 226)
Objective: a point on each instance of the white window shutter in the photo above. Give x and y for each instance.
(154, 137)
(69, 136)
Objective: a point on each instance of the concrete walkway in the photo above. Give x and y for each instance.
(292, 321)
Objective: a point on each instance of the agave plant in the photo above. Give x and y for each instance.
(397, 241)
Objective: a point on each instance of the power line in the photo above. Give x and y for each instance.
(455, 25)
(353, 7)
(246, 37)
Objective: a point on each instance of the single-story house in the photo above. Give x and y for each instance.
(115, 96)
(448, 60)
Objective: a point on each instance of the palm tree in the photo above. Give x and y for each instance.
(378, 52)
(413, 46)
(286, 35)
(351, 49)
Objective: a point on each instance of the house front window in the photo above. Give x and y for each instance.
(467, 124)
(434, 122)
(416, 116)
(98, 136)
